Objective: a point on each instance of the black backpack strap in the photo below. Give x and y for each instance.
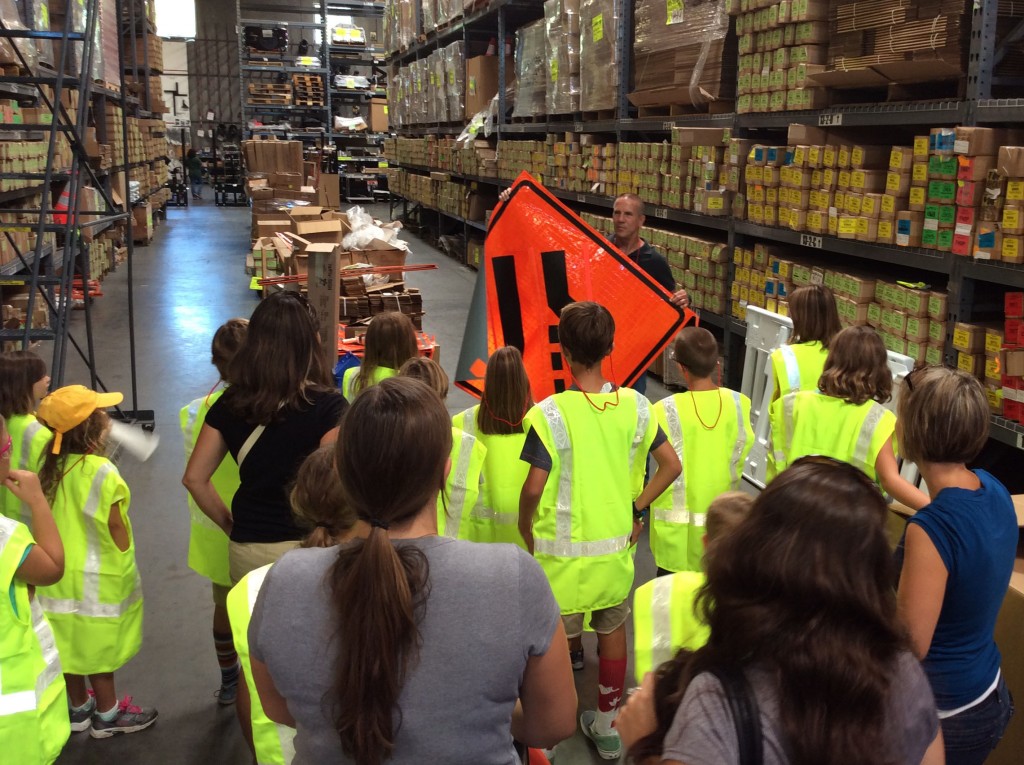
(745, 715)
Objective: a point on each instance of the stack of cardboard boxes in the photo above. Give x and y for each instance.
(1007, 393)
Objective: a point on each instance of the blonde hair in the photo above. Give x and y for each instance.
(317, 502)
(726, 512)
(427, 371)
(942, 416)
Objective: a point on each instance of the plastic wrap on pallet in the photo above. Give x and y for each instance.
(438, 91)
(419, 88)
(11, 46)
(531, 70)
(429, 15)
(562, 27)
(455, 79)
(683, 56)
(599, 63)
(36, 15)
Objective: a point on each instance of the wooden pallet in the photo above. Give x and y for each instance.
(309, 102)
(600, 114)
(259, 88)
(267, 101)
(682, 110)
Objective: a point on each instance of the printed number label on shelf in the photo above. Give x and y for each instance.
(597, 27)
(581, 197)
(661, 212)
(1020, 440)
(667, 125)
(809, 240)
(675, 12)
(830, 120)
(577, 127)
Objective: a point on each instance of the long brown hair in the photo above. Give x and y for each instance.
(803, 589)
(88, 437)
(507, 396)
(390, 342)
(391, 454)
(317, 502)
(280, 362)
(942, 416)
(857, 367)
(814, 314)
(19, 372)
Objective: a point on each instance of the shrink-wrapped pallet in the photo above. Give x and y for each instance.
(683, 56)
(562, 28)
(531, 70)
(599, 63)
(429, 15)
(437, 95)
(455, 79)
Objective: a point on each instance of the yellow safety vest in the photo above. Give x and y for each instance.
(812, 423)
(29, 439)
(34, 723)
(664, 620)
(797, 367)
(462, 487)
(274, 743)
(96, 609)
(582, 527)
(348, 380)
(712, 463)
(495, 516)
(207, 542)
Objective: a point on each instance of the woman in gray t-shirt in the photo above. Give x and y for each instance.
(407, 647)
(800, 597)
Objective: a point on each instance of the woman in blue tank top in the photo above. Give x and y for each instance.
(958, 556)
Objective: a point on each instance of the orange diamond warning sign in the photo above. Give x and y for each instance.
(539, 256)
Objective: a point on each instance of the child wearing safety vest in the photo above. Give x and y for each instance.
(797, 365)
(96, 609)
(845, 419)
(207, 542)
(317, 504)
(664, 620)
(33, 701)
(497, 422)
(463, 483)
(23, 382)
(709, 429)
(587, 448)
(389, 342)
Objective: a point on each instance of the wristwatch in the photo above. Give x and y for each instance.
(639, 514)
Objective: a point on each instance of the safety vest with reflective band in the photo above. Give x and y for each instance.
(96, 609)
(583, 523)
(34, 723)
(664, 620)
(274, 743)
(348, 380)
(712, 463)
(812, 423)
(207, 542)
(29, 439)
(495, 516)
(462, 487)
(797, 367)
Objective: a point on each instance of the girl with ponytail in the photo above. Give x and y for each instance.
(413, 648)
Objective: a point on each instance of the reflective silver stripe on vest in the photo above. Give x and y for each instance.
(788, 411)
(678, 513)
(48, 647)
(458, 495)
(487, 514)
(862, 451)
(735, 464)
(26, 447)
(792, 367)
(643, 418)
(469, 421)
(661, 621)
(562, 545)
(190, 426)
(90, 604)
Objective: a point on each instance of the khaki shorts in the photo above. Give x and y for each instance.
(603, 621)
(220, 594)
(244, 557)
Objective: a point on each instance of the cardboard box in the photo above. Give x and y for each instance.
(969, 338)
(142, 223)
(378, 122)
(976, 141)
(481, 83)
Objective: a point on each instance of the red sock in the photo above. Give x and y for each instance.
(611, 676)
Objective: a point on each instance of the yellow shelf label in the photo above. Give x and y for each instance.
(597, 27)
(674, 10)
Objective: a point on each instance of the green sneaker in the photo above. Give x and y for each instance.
(609, 747)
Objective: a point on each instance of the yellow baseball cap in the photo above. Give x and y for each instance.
(70, 406)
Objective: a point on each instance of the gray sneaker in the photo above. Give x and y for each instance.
(129, 719)
(81, 720)
(609, 747)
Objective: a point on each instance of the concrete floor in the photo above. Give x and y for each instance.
(187, 283)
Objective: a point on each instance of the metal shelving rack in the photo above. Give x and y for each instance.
(247, 70)
(48, 271)
(358, 154)
(978, 107)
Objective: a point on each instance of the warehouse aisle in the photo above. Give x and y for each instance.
(187, 283)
